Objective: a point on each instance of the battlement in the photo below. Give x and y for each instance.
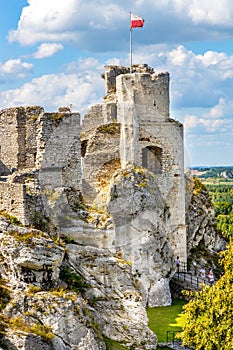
(111, 72)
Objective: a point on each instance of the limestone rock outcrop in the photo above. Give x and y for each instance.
(203, 239)
(46, 308)
(201, 224)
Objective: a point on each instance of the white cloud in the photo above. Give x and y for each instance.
(15, 69)
(70, 20)
(211, 11)
(190, 122)
(218, 110)
(52, 91)
(213, 120)
(103, 26)
(47, 50)
(212, 125)
(196, 80)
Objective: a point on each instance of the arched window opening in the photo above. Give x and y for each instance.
(152, 159)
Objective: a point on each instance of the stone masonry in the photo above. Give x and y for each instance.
(135, 116)
(116, 182)
(36, 164)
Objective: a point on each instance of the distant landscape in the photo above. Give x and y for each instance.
(220, 172)
(219, 183)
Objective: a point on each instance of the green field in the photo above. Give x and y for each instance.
(166, 318)
(161, 319)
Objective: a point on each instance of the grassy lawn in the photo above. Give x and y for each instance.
(166, 318)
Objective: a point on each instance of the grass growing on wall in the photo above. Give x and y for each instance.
(113, 345)
(166, 318)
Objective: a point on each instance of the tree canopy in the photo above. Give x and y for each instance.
(209, 315)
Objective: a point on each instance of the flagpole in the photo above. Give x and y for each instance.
(131, 55)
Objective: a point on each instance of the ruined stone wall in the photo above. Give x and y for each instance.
(59, 163)
(151, 139)
(149, 94)
(12, 200)
(43, 160)
(142, 98)
(8, 141)
(18, 135)
(97, 115)
(59, 149)
(168, 137)
(111, 73)
(27, 129)
(101, 159)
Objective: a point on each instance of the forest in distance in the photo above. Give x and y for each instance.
(219, 184)
(203, 172)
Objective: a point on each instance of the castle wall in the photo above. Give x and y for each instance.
(141, 97)
(151, 139)
(59, 163)
(13, 199)
(112, 72)
(97, 115)
(101, 159)
(27, 129)
(18, 135)
(45, 155)
(8, 141)
(59, 149)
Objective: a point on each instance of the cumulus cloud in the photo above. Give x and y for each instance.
(197, 80)
(103, 26)
(55, 90)
(68, 21)
(15, 69)
(47, 50)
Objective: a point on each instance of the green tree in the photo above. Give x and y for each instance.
(209, 315)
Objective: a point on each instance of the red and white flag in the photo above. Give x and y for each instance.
(136, 21)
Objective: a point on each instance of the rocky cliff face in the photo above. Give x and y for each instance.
(58, 296)
(63, 295)
(203, 240)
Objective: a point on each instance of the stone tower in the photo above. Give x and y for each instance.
(138, 105)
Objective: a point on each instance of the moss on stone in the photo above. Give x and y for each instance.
(13, 220)
(17, 323)
(113, 128)
(198, 186)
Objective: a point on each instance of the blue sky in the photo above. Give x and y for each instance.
(53, 53)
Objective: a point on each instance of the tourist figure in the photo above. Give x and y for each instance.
(195, 268)
(211, 277)
(208, 275)
(177, 264)
(202, 271)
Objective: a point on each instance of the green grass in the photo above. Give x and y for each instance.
(113, 345)
(166, 318)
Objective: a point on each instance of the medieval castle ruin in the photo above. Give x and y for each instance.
(115, 181)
